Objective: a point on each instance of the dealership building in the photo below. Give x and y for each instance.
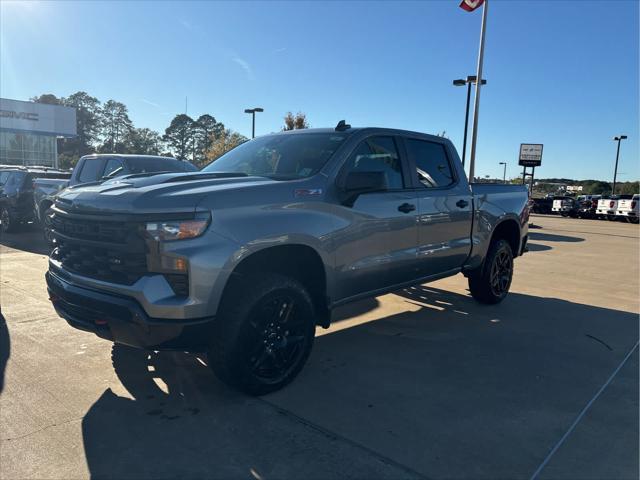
(29, 132)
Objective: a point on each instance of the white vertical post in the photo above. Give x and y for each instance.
(476, 109)
(55, 152)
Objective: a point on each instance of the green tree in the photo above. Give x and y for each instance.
(143, 141)
(628, 188)
(222, 142)
(87, 121)
(115, 126)
(596, 187)
(295, 122)
(180, 135)
(48, 98)
(204, 128)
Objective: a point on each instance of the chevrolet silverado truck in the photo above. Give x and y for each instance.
(244, 259)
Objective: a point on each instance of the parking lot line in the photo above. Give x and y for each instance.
(582, 413)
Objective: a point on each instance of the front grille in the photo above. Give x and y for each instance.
(100, 248)
(114, 266)
(97, 230)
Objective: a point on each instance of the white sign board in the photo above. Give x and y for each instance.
(41, 118)
(574, 188)
(530, 155)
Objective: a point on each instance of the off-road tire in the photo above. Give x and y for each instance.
(480, 280)
(241, 326)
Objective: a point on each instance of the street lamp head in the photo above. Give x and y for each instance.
(248, 110)
(621, 137)
(253, 110)
(502, 163)
(459, 82)
(473, 78)
(258, 109)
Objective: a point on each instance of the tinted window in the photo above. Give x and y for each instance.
(282, 157)
(378, 154)
(4, 176)
(113, 168)
(91, 171)
(431, 163)
(148, 165)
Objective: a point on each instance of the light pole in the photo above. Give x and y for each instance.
(618, 139)
(504, 172)
(471, 79)
(253, 112)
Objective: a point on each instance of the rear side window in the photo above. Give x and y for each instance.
(432, 165)
(378, 154)
(91, 171)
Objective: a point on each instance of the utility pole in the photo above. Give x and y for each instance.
(619, 138)
(476, 110)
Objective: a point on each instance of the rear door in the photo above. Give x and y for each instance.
(444, 205)
(377, 246)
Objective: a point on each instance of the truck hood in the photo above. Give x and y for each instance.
(153, 193)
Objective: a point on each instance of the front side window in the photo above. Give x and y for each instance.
(431, 162)
(378, 154)
(113, 168)
(91, 171)
(281, 157)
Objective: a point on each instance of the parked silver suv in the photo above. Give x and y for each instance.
(245, 258)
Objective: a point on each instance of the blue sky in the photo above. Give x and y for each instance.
(562, 73)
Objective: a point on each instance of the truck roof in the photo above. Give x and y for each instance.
(352, 130)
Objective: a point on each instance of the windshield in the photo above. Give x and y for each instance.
(280, 156)
(147, 165)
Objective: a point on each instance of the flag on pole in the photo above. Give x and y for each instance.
(470, 5)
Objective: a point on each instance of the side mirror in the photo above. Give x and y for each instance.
(357, 183)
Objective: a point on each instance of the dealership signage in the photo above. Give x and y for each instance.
(530, 155)
(20, 115)
(37, 118)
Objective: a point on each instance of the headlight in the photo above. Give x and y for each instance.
(177, 229)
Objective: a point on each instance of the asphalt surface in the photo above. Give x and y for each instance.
(423, 383)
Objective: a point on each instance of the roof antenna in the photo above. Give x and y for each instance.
(342, 126)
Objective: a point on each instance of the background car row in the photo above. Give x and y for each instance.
(26, 193)
(609, 207)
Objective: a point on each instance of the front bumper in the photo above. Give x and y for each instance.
(122, 320)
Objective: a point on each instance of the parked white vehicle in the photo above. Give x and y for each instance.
(607, 208)
(564, 206)
(629, 208)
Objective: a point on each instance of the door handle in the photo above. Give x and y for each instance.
(462, 203)
(406, 208)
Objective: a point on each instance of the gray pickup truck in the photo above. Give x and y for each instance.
(243, 259)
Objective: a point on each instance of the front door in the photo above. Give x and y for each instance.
(377, 246)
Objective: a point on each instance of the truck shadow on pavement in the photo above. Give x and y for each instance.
(551, 237)
(454, 389)
(5, 349)
(28, 239)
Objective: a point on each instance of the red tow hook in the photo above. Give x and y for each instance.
(100, 322)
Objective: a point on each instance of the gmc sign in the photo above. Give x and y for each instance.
(19, 115)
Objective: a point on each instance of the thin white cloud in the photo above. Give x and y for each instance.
(186, 24)
(244, 65)
(149, 102)
(279, 50)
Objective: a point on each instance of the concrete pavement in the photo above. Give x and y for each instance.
(423, 383)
